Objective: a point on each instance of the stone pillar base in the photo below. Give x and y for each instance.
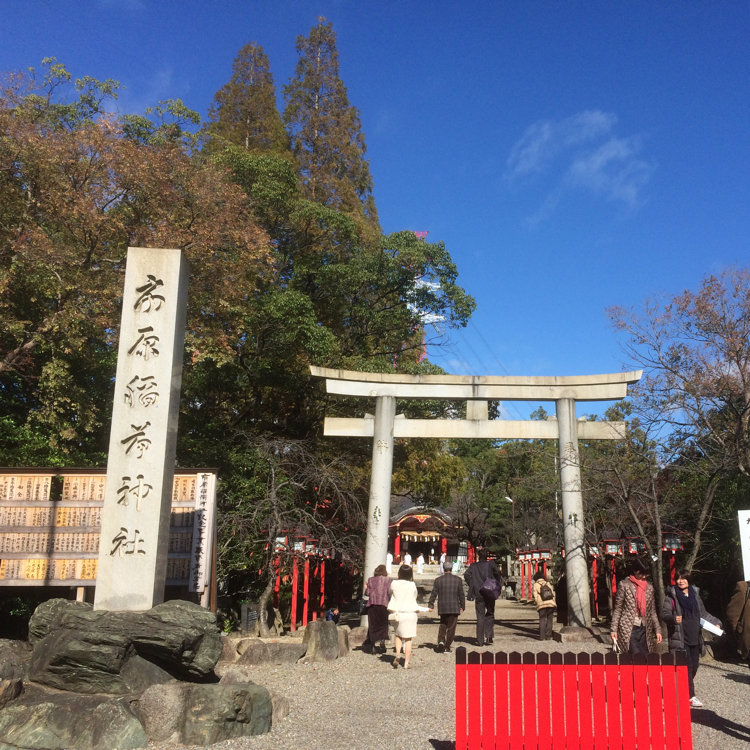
(576, 634)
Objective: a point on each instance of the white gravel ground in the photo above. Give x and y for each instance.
(360, 702)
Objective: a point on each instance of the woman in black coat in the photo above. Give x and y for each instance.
(682, 612)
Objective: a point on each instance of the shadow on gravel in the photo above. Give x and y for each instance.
(742, 678)
(443, 744)
(712, 720)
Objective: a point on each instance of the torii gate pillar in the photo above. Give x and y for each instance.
(379, 509)
(576, 568)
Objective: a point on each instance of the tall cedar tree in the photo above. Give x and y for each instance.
(244, 109)
(325, 129)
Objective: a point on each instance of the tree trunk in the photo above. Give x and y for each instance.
(264, 629)
(708, 501)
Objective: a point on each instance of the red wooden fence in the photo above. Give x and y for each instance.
(556, 701)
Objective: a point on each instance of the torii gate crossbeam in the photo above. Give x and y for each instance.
(476, 391)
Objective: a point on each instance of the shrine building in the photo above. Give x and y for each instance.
(429, 532)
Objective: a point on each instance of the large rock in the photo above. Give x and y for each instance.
(357, 636)
(71, 722)
(10, 690)
(14, 659)
(204, 714)
(322, 641)
(237, 675)
(343, 633)
(79, 649)
(260, 652)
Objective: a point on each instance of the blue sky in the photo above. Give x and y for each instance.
(572, 156)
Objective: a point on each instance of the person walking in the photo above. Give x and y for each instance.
(420, 563)
(378, 591)
(403, 604)
(544, 598)
(682, 611)
(449, 592)
(476, 575)
(635, 625)
(738, 615)
(388, 564)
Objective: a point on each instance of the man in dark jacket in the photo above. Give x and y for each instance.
(484, 603)
(449, 591)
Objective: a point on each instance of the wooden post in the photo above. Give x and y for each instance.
(295, 590)
(323, 584)
(595, 583)
(305, 592)
(277, 584)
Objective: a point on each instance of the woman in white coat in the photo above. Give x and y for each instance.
(404, 605)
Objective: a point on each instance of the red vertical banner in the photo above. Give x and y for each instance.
(598, 696)
(545, 701)
(628, 699)
(614, 697)
(523, 590)
(655, 699)
(502, 708)
(488, 697)
(530, 733)
(515, 700)
(572, 697)
(397, 545)
(640, 691)
(444, 545)
(683, 700)
(474, 700)
(671, 707)
(558, 704)
(461, 699)
(585, 703)
(295, 590)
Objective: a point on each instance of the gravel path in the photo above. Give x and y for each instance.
(360, 702)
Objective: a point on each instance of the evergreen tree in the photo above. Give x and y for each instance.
(244, 109)
(325, 129)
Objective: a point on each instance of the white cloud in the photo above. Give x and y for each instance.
(613, 170)
(546, 139)
(580, 152)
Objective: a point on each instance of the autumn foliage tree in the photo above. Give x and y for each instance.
(692, 408)
(76, 192)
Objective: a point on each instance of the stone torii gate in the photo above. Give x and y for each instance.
(476, 390)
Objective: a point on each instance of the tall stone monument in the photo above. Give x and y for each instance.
(132, 561)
